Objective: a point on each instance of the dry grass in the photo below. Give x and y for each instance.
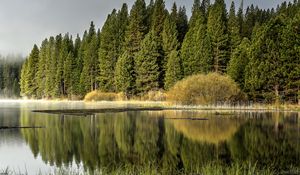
(104, 96)
(204, 90)
(159, 95)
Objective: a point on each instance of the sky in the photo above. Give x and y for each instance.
(24, 23)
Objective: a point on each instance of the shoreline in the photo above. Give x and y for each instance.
(168, 106)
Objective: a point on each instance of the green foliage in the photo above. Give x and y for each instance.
(204, 90)
(120, 58)
(29, 83)
(238, 62)
(271, 73)
(216, 29)
(147, 64)
(174, 69)
(196, 51)
(124, 74)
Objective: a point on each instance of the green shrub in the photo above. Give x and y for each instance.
(104, 96)
(204, 90)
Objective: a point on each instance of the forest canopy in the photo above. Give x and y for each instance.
(147, 48)
(10, 68)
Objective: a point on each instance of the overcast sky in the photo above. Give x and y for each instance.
(26, 22)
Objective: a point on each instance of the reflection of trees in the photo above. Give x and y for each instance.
(261, 142)
(120, 140)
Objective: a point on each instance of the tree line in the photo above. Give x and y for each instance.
(151, 48)
(10, 68)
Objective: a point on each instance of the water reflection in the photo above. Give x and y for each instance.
(118, 140)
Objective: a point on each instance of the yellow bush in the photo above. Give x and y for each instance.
(204, 90)
(154, 96)
(104, 96)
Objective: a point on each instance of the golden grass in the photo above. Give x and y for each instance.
(104, 96)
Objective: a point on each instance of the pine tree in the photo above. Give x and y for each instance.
(124, 80)
(135, 34)
(240, 17)
(30, 74)
(196, 49)
(170, 47)
(182, 24)
(169, 36)
(265, 74)
(65, 48)
(42, 69)
(290, 53)
(174, 69)
(147, 64)
(196, 12)
(78, 61)
(205, 5)
(108, 53)
(149, 13)
(23, 84)
(216, 30)
(233, 29)
(51, 64)
(90, 61)
(238, 62)
(158, 17)
(69, 67)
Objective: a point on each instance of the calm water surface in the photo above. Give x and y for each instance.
(168, 139)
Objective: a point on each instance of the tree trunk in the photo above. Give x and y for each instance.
(277, 98)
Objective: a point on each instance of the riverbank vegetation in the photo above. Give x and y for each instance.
(150, 49)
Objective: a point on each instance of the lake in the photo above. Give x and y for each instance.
(170, 141)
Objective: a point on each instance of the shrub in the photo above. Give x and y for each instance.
(154, 96)
(104, 96)
(204, 90)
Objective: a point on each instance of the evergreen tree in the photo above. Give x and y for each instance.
(170, 47)
(51, 64)
(205, 5)
(90, 61)
(238, 62)
(69, 67)
(30, 89)
(240, 17)
(147, 64)
(233, 29)
(124, 80)
(169, 36)
(65, 48)
(174, 69)
(135, 33)
(182, 24)
(24, 71)
(196, 49)
(149, 13)
(42, 69)
(290, 53)
(216, 30)
(196, 12)
(265, 72)
(78, 61)
(108, 53)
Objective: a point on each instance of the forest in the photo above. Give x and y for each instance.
(10, 68)
(149, 48)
